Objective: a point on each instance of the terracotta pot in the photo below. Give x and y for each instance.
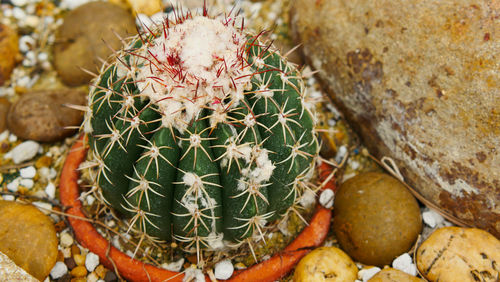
(133, 270)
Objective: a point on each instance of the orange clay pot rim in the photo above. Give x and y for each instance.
(272, 269)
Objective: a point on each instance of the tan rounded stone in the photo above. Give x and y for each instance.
(44, 115)
(326, 264)
(375, 218)
(9, 50)
(28, 237)
(87, 36)
(459, 254)
(420, 81)
(394, 275)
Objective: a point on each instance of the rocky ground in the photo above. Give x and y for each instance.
(41, 94)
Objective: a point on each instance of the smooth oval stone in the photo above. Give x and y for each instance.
(459, 254)
(28, 237)
(420, 81)
(87, 36)
(375, 218)
(44, 115)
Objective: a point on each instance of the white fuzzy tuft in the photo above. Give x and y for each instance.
(194, 66)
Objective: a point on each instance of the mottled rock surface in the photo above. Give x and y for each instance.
(44, 115)
(9, 271)
(459, 254)
(86, 37)
(8, 51)
(420, 81)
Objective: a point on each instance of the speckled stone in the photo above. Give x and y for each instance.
(43, 115)
(420, 81)
(459, 254)
(9, 271)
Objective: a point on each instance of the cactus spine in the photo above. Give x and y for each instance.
(200, 132)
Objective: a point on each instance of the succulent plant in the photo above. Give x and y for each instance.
(200, 132)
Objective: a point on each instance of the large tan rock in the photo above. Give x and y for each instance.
(28, 237)
(459, 254)
(420, 81)
(87, 36)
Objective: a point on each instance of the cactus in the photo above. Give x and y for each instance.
(200, 132)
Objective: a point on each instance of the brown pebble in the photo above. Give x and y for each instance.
(60, 256)
(110, 277)
(75, 250)
(43, 115)
(79, 259)
(70, 263)
(101, 271)
(66, 278)
(4, 110)
(79, 279)
(79, 271)
(60, 226)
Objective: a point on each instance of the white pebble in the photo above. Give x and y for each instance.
(72, 4)
(42, 56)
(28, 172)
(18, 13)
(50, 190)
(43, 207)
(24, 151)
(19, 3)
(91, 261)
(24, 81)
(405, 264)
(224, 269)
(307, 199)
(26, 182)
(58, 270)
(13, 186)
(326, 198)
(341, 154)
(12, 138)
(366, 274)
(4, 135)
(31, 20)
(432, 218)
(8, 198)
(66, 239)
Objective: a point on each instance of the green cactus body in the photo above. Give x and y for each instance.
(201, 133)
